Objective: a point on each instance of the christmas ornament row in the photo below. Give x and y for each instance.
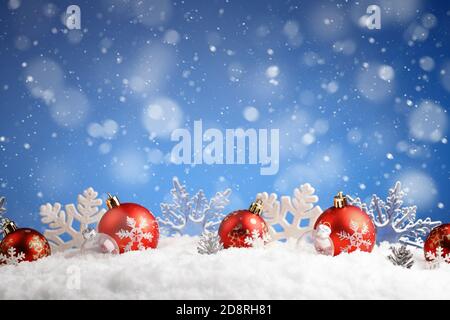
(288, 218)
(129, 226)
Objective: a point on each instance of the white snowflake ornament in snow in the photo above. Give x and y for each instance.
(434, 259)
(12, 257)
(290, 218)
(192, 215)
(72, 222)
(395, 223)
(135, 234)
(209, 243)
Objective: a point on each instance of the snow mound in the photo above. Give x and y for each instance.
(176, 271)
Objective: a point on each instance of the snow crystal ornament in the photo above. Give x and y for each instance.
(350, 227)
(242, 228)
(301, 207)
(209, 243)
(401, 257)
(132, 226)
(98, 243)
(193, 215)
(395, 223)
(66, 226)
(21, 244)
(437, 245)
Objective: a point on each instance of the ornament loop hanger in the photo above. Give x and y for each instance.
(112, 201)
(340, 200)
(256, 207)
(6, 226)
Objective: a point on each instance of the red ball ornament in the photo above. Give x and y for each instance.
(242, 224)
(23, 244)
(349, 227)
(438, 237)
(132, 226)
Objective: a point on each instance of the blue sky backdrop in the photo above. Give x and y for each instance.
(357, 109)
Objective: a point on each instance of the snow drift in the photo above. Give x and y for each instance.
(176, 271)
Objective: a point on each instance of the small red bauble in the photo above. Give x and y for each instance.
(132, 226)
(438, 237)
(242, 224)
(26, 244)
(350, 228)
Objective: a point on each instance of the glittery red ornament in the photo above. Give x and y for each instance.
(241, 225)
(438, 237)
(350, 228)
(131, 225)
(23, 244)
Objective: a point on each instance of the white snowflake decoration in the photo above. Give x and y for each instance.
(395, 223)
(61, 223)
(135, 233)
(435, 259)
(193, 215)
(209, 243)
(256, 240)
(356, 238)
(301, 206)
(12, 257)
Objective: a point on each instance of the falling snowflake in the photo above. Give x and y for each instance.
(356, 239)
(257, 240)
(12, 257)
(395, 223)
(192, 215)
(135, 233)
(435, 259)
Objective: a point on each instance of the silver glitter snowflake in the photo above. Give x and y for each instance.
(394, 222)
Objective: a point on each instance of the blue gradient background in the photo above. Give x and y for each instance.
(62, 162)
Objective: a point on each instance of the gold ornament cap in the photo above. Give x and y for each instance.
(256, 207)
(9, 227)
(340, 200)
(112, 201)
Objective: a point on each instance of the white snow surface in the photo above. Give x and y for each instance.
(176, 271)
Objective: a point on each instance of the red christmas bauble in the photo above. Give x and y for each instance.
(24, 244)
(242, 224)
(131, 225)
(438, 237)
(351, 228)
